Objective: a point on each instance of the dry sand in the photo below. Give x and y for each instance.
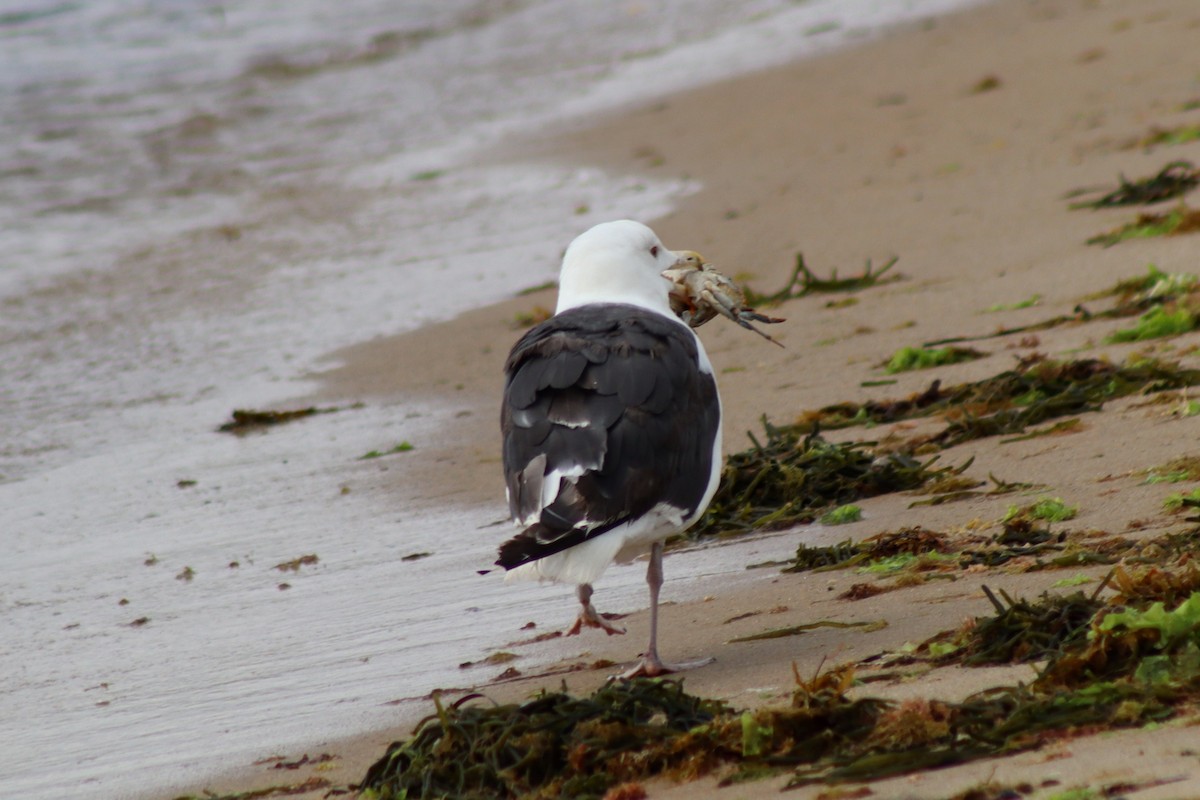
(881, 150)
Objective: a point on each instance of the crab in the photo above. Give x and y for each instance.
(699, 292)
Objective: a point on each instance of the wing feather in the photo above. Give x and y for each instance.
(604, 418)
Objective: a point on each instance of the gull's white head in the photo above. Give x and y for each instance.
(616, 262)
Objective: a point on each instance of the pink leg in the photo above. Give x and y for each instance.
(588, 616)
(651, 665)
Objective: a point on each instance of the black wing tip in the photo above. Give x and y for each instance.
(521, 549)
(538, 541)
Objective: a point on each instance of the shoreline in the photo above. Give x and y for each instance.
(967, 189)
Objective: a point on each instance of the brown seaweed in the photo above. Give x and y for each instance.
(553, 745)
(1133, 296)
(802, 282)
(1035, 391)
(245, 420)
(1173, 180)
(794, 475)
(1107, 667)
(1176, 222)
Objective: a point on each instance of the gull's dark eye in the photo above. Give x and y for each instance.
(654, 251)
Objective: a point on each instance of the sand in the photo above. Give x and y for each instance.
(887, 149)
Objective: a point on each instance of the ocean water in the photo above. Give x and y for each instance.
(198, 201)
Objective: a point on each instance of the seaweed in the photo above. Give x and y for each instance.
(1173, 180)
(1107, 666)
(403, 447)
(553, 745)
(245, 420)
(1155, 286)
(1147, 647)
(312, 784)
(1158, 136)
(910, 358)
(1051, 509)
(1024, 543)
(842, 515)
(1036, 391)
(1060, 428)
(1028, 302)
(1177, 470)
(796, 475)
(1069, 695)
(296, 563)
(1022, 631)
(1156, 323)
(988, 83)
(1176, 222)
(1143, 586)
(796, 630)
(912, 541)
(1178, 501)
(802, 282)
(1133, 296)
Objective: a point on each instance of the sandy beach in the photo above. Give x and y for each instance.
(951, 145)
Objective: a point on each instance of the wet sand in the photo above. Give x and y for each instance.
(890, 149)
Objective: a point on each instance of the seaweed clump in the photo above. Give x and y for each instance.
(1176, 222)
(910, 358)
(245, 420)
(1037, 390)
(1108, 666)
(915, 541)
(794, 475)
(555, 745)
(1156, 323)
(1022, 544)
(1023, 631)
(802, 282)
(1173, 180)
(1129, 662)
(1159, 136)
(1133, 296)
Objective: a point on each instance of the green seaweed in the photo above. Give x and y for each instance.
(1175, 222)
(842, 515)
(1159, 136)
(1051, 509)
(1029, 302)
(910, 358)
(907, 543)
(1156, 323)
(1177, 470)
(403, 447)
(1177, 501)
(1024, 543)
(794, 476)
(1133, 296)
(1074, 580)
(1155, 285)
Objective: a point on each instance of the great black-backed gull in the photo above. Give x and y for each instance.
(611, 423)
